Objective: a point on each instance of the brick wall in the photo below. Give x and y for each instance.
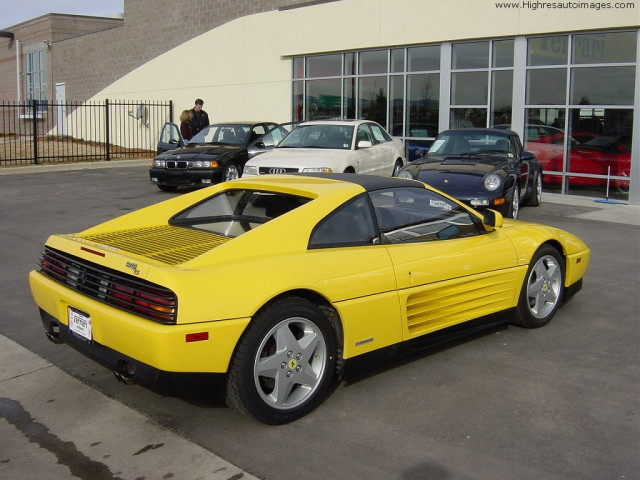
(89, 63)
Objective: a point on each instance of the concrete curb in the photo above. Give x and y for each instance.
(56, 427)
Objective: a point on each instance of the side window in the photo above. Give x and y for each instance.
(170, 133)
(379, 134)
(420, 215)
(363, 134)
(350, 225)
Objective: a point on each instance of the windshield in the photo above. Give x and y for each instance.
(234, 212)
(463, 143)
(335, 137)
(228, 134)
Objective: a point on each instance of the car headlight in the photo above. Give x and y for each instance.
(159, 163)
(250, 170)
(405, 174)
(492, 182)
(204, 164)
(317, 170)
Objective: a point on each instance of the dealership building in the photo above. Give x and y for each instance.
(562, 74)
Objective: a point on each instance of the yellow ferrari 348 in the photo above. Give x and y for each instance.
(277, 280)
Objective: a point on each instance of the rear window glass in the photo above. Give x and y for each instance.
(234, 212)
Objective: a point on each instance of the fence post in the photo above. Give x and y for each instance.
(107, 138)
(171, 110)
(34, 125)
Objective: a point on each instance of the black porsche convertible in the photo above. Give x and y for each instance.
(482, 167)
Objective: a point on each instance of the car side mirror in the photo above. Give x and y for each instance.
(492, 219)
(527, 156)
(365, 144)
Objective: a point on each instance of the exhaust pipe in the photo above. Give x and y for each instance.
(125, 373)
(54, 335)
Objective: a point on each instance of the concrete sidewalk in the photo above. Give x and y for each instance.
(55, 427)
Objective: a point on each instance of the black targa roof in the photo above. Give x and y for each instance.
(368, 182)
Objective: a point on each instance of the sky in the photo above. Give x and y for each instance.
(18, 11)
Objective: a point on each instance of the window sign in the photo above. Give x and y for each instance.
(548, 50)
(615, 47)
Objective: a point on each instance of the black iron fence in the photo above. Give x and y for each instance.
(34, 133)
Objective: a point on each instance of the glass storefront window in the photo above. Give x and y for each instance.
(614, 47)
(372, 99)
(544, 137)
(602, 85)
(423, 100)
(601, 147)
(323, 99)
(422, 59)
(297, 113)
(546, 86)
(373, 62)
(548, 50)
(298, 67)
(350, 63)
(468, 117)
(349, 100)
(502, 53)
(501, 93)
(324, 66)
(469, 88)
(396, 105)
(397, 60)
(470, 55)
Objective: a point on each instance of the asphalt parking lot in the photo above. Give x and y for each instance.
(557, 403)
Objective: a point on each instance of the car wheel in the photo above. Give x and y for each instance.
(284, 362)
(396, 169)
(168, 188)
(230, 172)
(542, 289)
(536, 191)
(514, 206)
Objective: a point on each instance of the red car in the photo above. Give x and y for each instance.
(588, 154)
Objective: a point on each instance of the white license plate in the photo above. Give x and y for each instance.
(79, 323)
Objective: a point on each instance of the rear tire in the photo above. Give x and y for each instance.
(396, 168)
(536, 191)
(284, 363)
(542, 290)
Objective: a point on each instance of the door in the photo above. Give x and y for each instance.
(448, 268)
(170, 138)
(61, 109)
(367, 158)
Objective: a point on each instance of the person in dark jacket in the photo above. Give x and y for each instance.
(200, 118)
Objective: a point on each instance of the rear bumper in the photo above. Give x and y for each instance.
(116, 361)
(120, 336)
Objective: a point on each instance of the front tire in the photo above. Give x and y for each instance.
(168, 188)
(231, 172)
(284, 363)
(514, 206)
(542, 289)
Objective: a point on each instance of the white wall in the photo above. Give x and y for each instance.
(242, 70)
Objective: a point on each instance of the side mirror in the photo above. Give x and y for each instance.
(527, 156)
(492, 220)
(365, 144)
